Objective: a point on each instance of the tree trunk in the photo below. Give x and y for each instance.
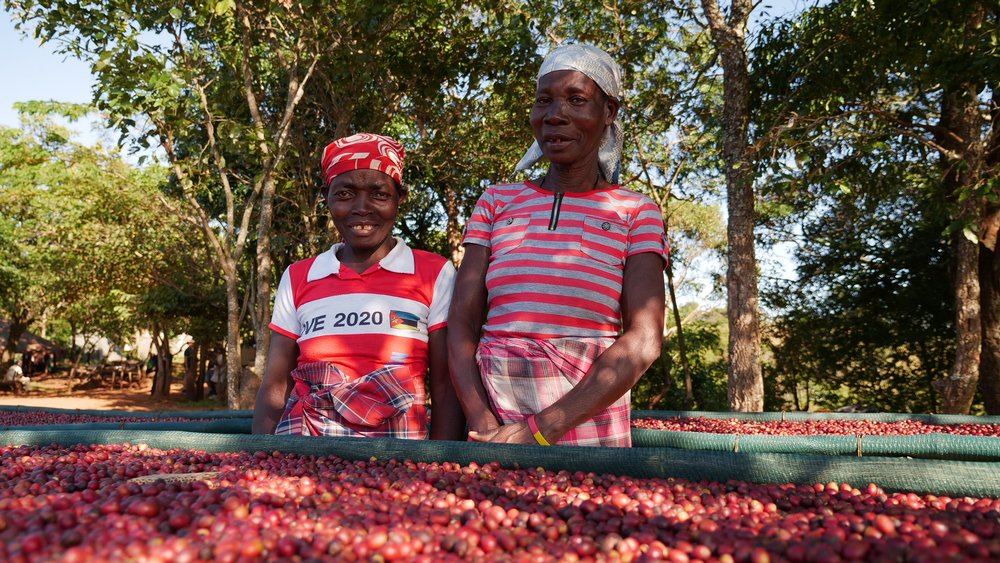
(989, 273)
(164, 359)
(453, 231)
(74, 357)
(795, 395)
(262, 316)
(681, 345)
(273, 143)
(989, 281)
(958, 390)
(963, 159)
(746, 383)
(234, 353)
(191, 368)
(204, 360)
(18, 325)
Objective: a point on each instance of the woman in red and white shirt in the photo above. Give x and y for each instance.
(356, 329)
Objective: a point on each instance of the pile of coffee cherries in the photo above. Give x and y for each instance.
(135, 503)
(813, 427)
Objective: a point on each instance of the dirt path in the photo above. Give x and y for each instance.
(51, 392)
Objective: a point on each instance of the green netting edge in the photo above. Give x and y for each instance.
(158, 414)
(930, 446)
(933, 446)
(953, 478)
(217, 426)
(796, 416)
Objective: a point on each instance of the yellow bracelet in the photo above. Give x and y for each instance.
(536, 432)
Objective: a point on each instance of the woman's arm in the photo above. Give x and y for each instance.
(618, 369)
(447, 419)
(465, 321)
(277, 384)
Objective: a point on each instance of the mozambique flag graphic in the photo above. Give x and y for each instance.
(403, 320)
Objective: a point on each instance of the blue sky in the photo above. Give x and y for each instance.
(32, 72)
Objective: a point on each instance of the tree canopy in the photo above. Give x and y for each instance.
(889, 109)
(863, 133)
(83, 236)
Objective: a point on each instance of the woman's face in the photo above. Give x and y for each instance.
(364, 204)
(569, 117)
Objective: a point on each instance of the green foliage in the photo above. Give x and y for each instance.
(856, 79)
(83, 239)
(869, 319)
(14, 278)
(452, 80)
(866, 174)
(453, 110)
(705, 339)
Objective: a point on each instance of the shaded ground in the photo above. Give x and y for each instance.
(51, 392)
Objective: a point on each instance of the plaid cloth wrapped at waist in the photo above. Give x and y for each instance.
(523, 376)
(326, 402)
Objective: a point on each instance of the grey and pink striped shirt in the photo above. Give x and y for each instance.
(566, 282)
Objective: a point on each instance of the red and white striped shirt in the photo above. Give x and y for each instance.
(566, 282)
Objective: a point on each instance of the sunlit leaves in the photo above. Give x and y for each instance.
(82, 233)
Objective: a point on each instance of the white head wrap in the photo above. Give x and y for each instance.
(602, 69)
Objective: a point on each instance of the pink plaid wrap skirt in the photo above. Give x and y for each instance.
(523, 376)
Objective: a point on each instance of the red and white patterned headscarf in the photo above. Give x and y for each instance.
(363, 151)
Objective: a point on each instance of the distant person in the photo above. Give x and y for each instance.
(190, 357)
(38, 361)
(15, 378)
(212, 379)
(215, 373)
(220, 372)
(152, 368)
(356, 329)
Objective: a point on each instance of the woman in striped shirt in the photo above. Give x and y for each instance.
(558, 304)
